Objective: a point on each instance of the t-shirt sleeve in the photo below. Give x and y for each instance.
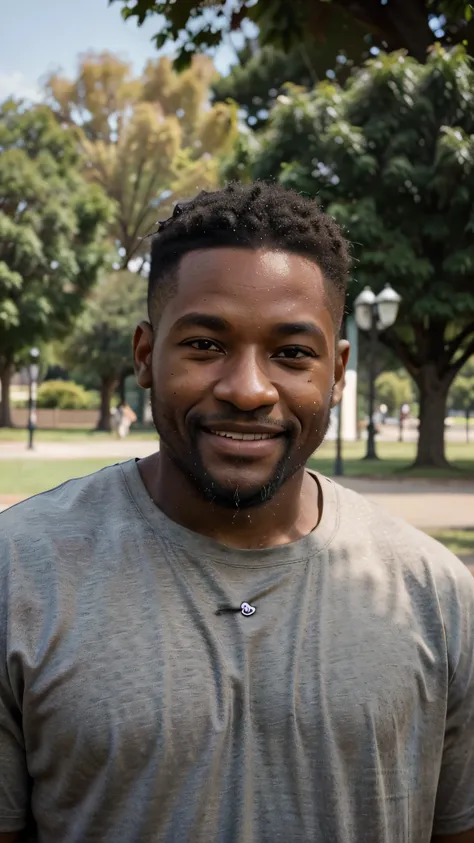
(455, 798)
(13, 769)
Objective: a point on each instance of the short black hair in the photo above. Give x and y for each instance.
(250, 216)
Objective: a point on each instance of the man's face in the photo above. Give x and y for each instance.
(244, 367)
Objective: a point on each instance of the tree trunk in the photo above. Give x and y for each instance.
(5, 408)
(468, 413)
(433, 400)
(122, 391)
(140, 411)
(108, 385)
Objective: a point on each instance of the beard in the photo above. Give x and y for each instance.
(187, 459)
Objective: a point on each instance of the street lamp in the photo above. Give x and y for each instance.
(374, 314)
(339, 463)
(33, 377)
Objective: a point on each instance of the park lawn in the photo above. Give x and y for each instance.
(24, 477)
(395, 460)
(28, 476)
(72, 435)
(459, 542)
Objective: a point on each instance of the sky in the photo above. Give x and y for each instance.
(40, 36)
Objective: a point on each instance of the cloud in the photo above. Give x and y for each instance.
(19, 86)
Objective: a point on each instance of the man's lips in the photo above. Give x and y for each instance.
(247, 432)
(243, 437)
(252, 440)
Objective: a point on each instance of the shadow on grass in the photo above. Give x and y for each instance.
(459, 470)
(391, 467)
(459, 541)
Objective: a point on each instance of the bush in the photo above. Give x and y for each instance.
(65, 395)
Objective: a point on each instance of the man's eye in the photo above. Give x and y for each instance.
(203, 345)
(294, 352)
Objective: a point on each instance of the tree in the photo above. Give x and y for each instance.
(102, 339)
(197, 25)
(461, 394)
(391, 155)
(52, 234)
(148, 141)
(394, 389)
(259, 77)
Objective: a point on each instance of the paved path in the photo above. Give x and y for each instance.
(428, 504)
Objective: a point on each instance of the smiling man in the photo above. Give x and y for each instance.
(213, 644)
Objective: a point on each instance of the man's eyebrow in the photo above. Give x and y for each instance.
(285, 329)
(218, 324)
(202, 320)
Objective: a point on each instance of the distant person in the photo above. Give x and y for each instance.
(403, 417)
(122, 421)
(215, 644)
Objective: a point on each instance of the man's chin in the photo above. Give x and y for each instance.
(239, 491)
(237, 497)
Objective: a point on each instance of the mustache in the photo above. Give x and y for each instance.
(198, 420)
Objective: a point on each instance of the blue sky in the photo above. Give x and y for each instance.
(38, 36)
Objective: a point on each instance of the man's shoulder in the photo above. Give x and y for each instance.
(398, 544)
(76, 502)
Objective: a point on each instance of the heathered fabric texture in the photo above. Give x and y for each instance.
(342, 711)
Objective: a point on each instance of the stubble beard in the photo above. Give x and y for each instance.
(208, 488)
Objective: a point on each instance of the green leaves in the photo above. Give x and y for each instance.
(102, 338)
(292, 25)
(49, 219)
(394, 389)
(391, 157)
(145, 140)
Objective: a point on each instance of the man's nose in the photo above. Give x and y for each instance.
(245, 384)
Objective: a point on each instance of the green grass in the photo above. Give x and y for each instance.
(70, 435)
(28, 476)
(395, 460)
(459, 542)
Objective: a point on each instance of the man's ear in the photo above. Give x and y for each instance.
(142, 354)
(340, 363)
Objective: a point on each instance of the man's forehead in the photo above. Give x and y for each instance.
(248, 290)
(229, 265)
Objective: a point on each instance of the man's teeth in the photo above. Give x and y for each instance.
(245, 436)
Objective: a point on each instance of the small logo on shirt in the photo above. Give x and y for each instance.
(247, 609)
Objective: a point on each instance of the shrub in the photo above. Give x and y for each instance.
(65, 395)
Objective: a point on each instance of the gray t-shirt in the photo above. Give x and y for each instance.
(341, 711)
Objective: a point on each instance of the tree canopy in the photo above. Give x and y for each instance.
(391, 155)
(53, 227)
(101, 341)
(197, 25)
(148, 141)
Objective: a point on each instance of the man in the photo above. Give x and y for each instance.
(213, 643)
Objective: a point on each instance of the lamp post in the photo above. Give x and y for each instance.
(33, 374)
(374, 314)
(339, 462)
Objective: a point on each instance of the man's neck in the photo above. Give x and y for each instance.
(292, 513)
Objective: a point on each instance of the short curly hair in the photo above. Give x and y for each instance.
(249, 216)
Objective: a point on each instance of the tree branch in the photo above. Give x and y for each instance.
(134, 244)
(391, 340)
(457, 366)
(406, 27)
(136, 185)
(457, 342)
